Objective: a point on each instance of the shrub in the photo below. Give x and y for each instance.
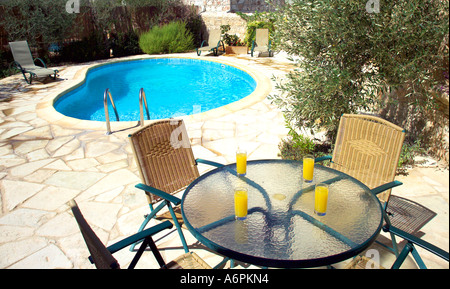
(93, 47)
(298, 145)
(170, 38)
(230, 40)
(295, 147)
(124, 44)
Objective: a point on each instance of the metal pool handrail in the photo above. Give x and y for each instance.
(105, 103)
(143, 99)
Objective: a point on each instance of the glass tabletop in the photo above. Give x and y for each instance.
(281, 229)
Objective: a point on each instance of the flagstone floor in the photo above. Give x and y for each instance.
(44, 164)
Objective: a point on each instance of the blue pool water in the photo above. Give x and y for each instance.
(173, 86)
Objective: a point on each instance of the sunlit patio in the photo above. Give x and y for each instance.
(48, 161)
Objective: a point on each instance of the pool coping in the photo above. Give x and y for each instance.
(46, 110)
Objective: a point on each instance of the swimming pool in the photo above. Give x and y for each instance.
(173, 87)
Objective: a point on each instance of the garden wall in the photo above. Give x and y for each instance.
(245, 6)
(213, 20)
(215, 13)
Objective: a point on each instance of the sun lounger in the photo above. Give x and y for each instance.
(25, 63)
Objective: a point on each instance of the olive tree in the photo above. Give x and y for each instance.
(40, 22)
(355, 55)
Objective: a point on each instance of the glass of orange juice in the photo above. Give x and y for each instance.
(308, 168)
(321, 199)
(240, 203)
(241, 162)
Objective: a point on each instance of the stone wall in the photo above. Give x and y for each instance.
(215, 13)
(210, 5)
(212, 21)
(246, 6)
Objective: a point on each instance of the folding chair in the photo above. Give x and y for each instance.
(102, 257)
(166, 163)
(368, 148)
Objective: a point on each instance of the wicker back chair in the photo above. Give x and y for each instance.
(166, 163)
(102, 257)
(164, 156)
(368, 148)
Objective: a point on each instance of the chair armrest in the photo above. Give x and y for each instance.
(321, 159)
(203, 42)
(42, 61)
(159, 193)
(209, 163)
(419, 242)
(385, 187)
(139, 236)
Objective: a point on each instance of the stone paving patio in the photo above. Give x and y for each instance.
(45, 164)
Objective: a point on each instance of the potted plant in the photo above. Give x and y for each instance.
(234, 44)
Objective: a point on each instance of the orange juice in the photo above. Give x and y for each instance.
(308, 169)
(240, 203)
(241, 163)
(321, 199)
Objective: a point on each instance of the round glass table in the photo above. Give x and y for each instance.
(281, 229)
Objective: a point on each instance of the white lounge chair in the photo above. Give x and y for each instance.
(25, 63)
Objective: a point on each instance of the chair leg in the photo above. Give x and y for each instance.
(401, 258)
(418, 259)
(409, 248)
(394, 244)
(26, 79)
(156, 252)
(150, 216)
(138, 255)
(177, 225)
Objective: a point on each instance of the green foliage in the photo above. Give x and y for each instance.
(124, 44)
(256, 21)
(37, 21)
(89, 48)
(170, 38)
(6, 68)
(82, 36)
(348, 58)
(409, 152)
(231, 40)
(296, 146)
